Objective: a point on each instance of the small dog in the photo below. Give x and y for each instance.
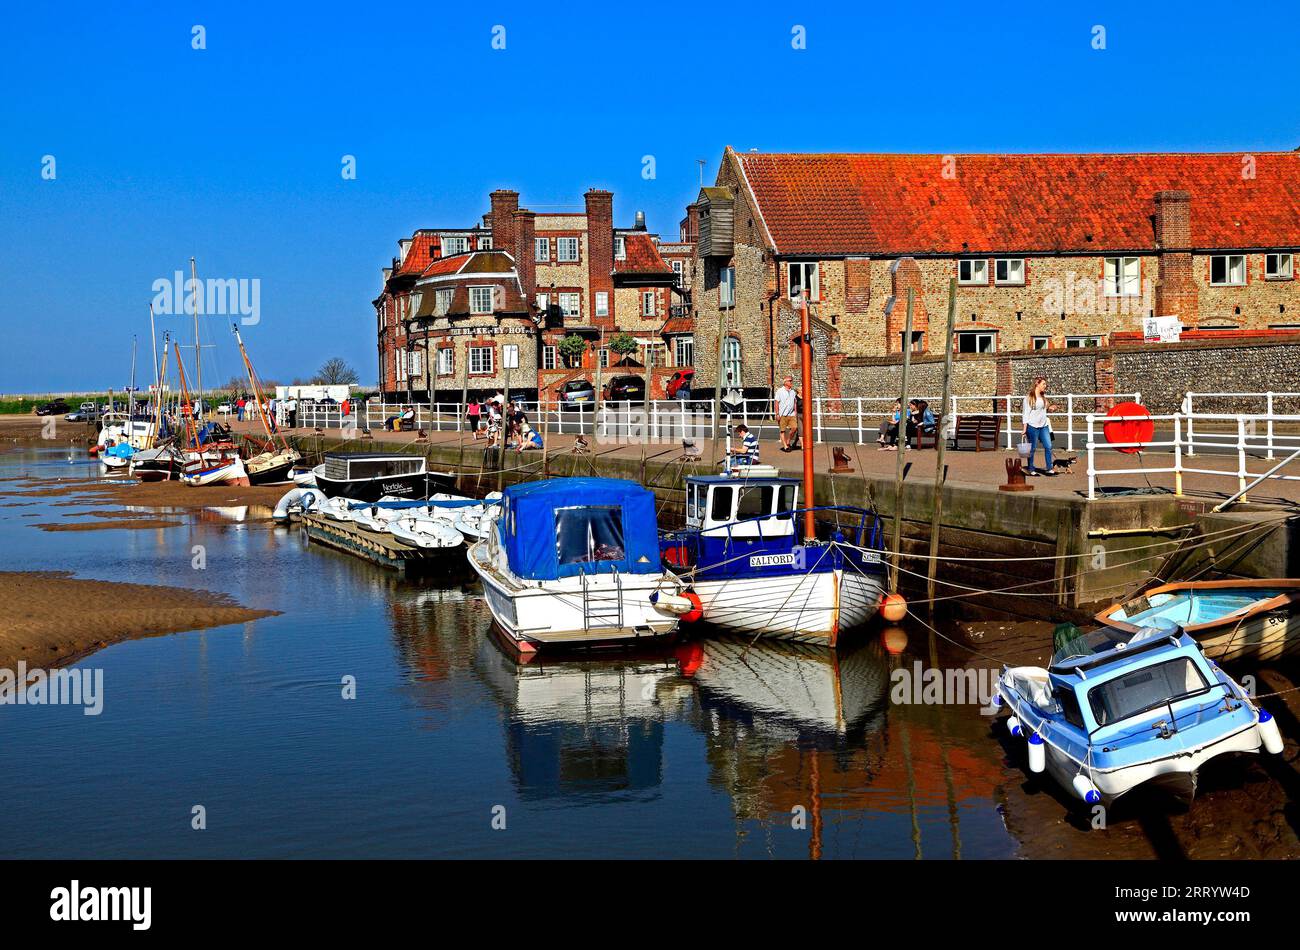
(1064, 466)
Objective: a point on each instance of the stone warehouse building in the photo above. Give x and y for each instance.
(1051, 252)
(453, 297)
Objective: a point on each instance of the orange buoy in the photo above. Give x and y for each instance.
(689, 658)
(696, 612)
(893, 607)
(894, 639)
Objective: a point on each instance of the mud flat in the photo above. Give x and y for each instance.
(53, 618)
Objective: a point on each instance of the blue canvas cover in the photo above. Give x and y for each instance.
(561, 527)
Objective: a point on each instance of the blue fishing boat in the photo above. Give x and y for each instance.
(1231, 620)
(1116, 710)
(754, 567)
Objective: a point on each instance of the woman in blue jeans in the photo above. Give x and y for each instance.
(1038, 428)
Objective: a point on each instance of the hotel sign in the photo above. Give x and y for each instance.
(490, 331)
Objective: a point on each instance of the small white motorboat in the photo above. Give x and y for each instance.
(423, 532)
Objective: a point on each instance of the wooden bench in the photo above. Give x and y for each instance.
(924, 439)
(982, 431)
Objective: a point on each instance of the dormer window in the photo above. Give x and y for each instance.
(620, 247)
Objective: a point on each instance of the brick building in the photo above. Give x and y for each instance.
(453, 296)
(1050, 252)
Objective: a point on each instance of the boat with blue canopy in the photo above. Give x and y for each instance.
(747, 556)
(575, 561)
(1116, 710)
(1230, 619)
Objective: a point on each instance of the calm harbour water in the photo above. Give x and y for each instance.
(701, 750)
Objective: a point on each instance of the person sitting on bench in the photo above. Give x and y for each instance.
(919, 419)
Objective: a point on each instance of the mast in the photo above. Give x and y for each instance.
(130, 397)
(187, 409)
(153, 348)
(256, 385)
(198, 353)
(805, 366)
(159, 375)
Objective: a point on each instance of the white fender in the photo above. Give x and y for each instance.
(1269, 732)
(1084, 788)
(1037, 753)
(292, 499)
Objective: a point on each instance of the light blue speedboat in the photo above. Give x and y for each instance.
(1116, 710)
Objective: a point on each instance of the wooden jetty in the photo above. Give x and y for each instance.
(376, 546)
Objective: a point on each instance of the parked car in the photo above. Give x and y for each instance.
(679, 386)
(86, 412)
(55, 407)
(626, 389)
(574, 393)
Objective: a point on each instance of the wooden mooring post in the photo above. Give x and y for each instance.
(899, 470)
(940, 445)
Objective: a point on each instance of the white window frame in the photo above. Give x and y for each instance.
(679, 271)
(560, 244)
(542, 250)
(460, 242)
(1122, 277)
(485, 242)
(977, 334)
(476, 298)
(1002, 263)
(727, 287)
(416, 364)
(570, 298)
(484, 357)
(649, 303)
(684, 350)
(442, 299)
(602, 303)
(977, 269)
(446, 361)
(550, 355)
(733, 363)
(620, 247)
(1283, 266)
(808, 280)
(1227, 270)
(918, 340)
(604, 357)
(1046, 342)
(1085, 341)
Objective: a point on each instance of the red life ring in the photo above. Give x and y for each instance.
(1141, 430)
(696, 612)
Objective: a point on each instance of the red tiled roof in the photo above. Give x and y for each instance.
(676, 325)
(418, 256)
(900, 204)
(642, 257)
(445, 265)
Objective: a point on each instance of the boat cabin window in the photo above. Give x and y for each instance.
(1070, 707)
(785, 504)
(1144, 689)
(589, 533)
(694, 510)
(720, 510)
(754, 502)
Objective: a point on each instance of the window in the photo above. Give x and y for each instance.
(918, 341)
(620, 247)
(1144, 688)
(566, 250)
(589, 534)
(442, 301)
(656, 354)
(446, 361)
(1122, 277)
(454, 245)
(802, 278)
(1228, 270)
(480, 300)
(981, 341)
(548, 357)
(485, 242)
(604, 357)
(1078, 342)
(720, 509)
(684, 350)
(731, 364)
(571, 304)
(1070, 707)
(785, 503)
(541, 249)
(1042, 343)
(1009, 270)
(647, 303)
(417, 362)
(973, 271)
(677, 272)
(602, 303)
(755, 502)
(727, 287)
(1278, 266)
(481, 360)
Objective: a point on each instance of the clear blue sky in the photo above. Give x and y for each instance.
(233, 153)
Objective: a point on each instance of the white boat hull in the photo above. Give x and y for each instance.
(812, 608)
(228, 472)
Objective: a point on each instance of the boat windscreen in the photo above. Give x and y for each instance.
(1090, 644)
(590, 533)
(1145, 688)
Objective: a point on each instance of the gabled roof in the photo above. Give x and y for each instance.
(905, 204)
(641, 257)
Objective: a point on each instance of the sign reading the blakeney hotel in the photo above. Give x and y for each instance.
(489, 331)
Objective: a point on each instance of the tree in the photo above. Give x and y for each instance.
(624, 344)
(571, 348)
(336, 372)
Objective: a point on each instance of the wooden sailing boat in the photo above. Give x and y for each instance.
(214, 462)
(276, 460)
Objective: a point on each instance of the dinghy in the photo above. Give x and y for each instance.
(575, 561)
(424, 532)
(1116, 710)
(228, 470)
(1232, 620)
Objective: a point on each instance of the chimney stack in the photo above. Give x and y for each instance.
(600, 250)
(524, 228)
(691, 224)
(504, 205)
(1176, 293)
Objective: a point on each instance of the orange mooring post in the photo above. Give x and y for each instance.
(805, 365)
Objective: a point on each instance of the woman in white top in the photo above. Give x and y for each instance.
(1037, 427)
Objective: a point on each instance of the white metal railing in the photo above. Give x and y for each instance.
(1266, 402)
(1236, 439)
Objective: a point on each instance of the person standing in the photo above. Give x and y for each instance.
(239, 409)
(787, 414)
(291, 407)
(1037, 428)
